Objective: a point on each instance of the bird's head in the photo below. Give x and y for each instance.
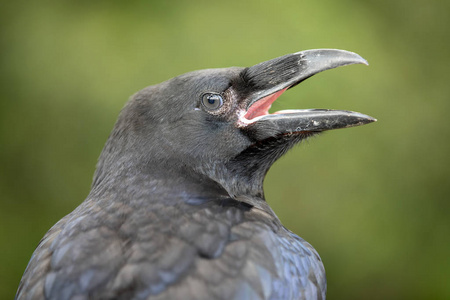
(215, 123)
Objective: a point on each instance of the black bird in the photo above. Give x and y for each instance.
(177, 208)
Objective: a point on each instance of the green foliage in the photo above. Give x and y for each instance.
(373, 200)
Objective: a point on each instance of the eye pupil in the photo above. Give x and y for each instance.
(212, 101)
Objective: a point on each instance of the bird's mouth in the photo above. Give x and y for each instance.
(261, 107)
(272, 78)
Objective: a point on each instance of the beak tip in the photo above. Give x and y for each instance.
(356, 58)
(365, 118)
(323, 59)
(371, 119)
(364, 61)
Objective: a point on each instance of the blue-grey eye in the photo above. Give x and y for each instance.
(212, 101)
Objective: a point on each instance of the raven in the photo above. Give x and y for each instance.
(177, 209)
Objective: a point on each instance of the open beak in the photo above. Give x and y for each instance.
(268, 80)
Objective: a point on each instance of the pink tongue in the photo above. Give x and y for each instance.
(262, 106)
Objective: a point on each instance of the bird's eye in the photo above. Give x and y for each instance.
(212, 101)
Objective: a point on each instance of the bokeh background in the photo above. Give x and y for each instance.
(373, 200)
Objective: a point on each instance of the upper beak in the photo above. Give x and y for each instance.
(268, 80)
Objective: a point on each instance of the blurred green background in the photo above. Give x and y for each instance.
(373, 200)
